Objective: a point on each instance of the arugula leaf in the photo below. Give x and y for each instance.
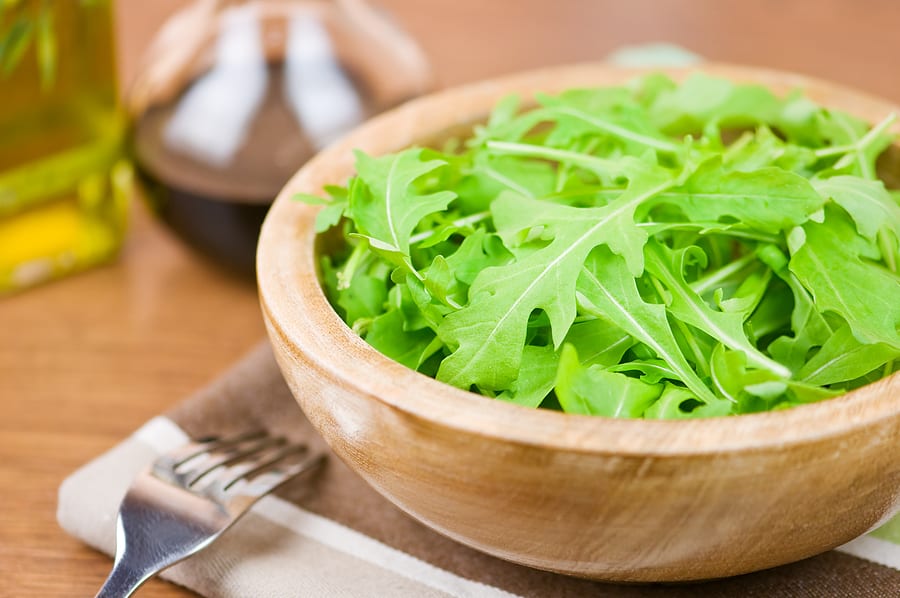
(593, 390)
(768, 199)
(728, 327)
(606, 288)
(502, 298)
(364, 298)
(385, 205)
(334, 209)
(676, 402)
(411, 348)
(621, 120)
(848, 136)
(598, 341)
(748, 295)
(703, 100)
(843, 358)
(863, 294)
(867, 202)
(809, 326)
(537, 374)
(653, 250)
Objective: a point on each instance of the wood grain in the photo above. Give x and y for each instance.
(86, 360)
(615, 500)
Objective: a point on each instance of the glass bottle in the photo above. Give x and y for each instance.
(63, 182)
(234, 96)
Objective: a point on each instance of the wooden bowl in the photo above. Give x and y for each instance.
(623, 500)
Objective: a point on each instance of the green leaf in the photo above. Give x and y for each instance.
(580, 113)
(593, 390)
(773, 314)
(762, 148)
(604, 169)
(386, 205)
(868, 203)
(747, 296)
(679, 403)
(749, 265)
(606, 288)
(652, 371)
(537, 374)
(364, 298)
(420, 309)
(496, 174)
(725, 327)
(843, 358)
(411, 348)
(598, 341)
(475, 254)
(768, 199)
(863, 294)
(809, 326)
(441, 282)
(861, 145)
(487, 334)
(334, 209)
(742, 385)
(702, 100)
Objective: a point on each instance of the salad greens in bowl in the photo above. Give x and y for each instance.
(651, 249)
(692, 273)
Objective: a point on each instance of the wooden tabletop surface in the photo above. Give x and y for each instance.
(86, 360)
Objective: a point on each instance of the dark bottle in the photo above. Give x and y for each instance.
(235, 96)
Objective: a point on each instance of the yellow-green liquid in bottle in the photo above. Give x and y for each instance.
(63, 183)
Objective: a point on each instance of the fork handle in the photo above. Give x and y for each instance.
(123, 580)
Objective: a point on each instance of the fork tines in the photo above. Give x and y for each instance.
(187, 498)
(254, 461)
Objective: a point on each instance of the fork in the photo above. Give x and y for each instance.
(186, 499)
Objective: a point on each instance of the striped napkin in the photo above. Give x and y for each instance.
(332, 535)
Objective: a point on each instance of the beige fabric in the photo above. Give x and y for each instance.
(258, 557)
(335, 536)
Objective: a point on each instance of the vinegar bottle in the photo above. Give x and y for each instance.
(234, 96)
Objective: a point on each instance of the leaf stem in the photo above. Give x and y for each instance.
(862, 144)
(707, 228)
(597, 165)
(504, 180)
(709, 282)
(470, 219)
(620, 132)
(689, 337)
(887, 253)
(742, 142)
(834, 150)
(563, 170)
(358, 256)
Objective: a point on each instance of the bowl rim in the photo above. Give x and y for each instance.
(300, 319)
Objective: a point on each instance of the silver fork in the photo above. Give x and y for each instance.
(186, 499)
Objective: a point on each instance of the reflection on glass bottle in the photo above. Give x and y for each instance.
(235, 96)
(62, 182)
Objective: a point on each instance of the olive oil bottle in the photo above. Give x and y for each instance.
(63, 183)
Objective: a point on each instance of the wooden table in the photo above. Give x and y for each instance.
(86, 360)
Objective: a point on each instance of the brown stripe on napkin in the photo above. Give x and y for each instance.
(253, 395)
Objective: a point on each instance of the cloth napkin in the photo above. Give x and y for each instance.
(332, 535)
